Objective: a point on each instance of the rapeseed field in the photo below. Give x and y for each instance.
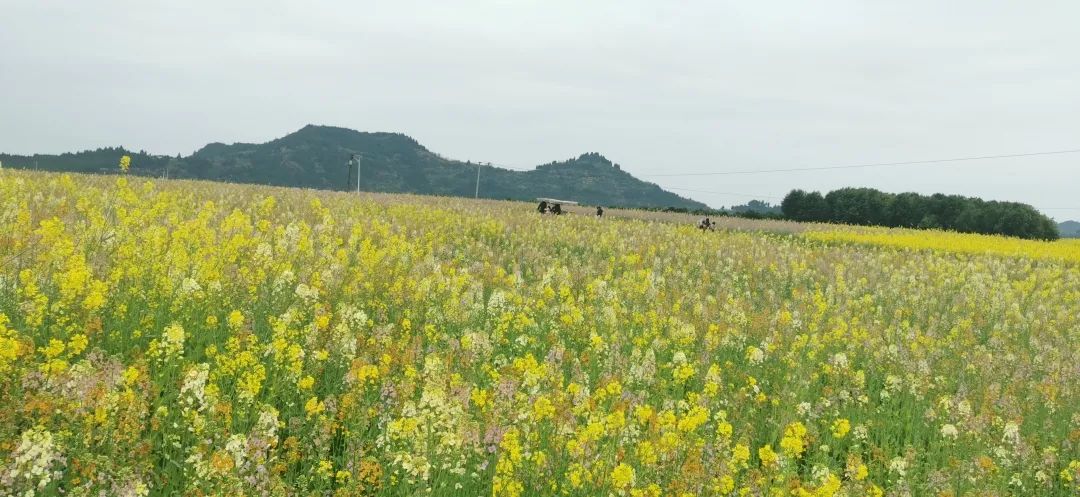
(189, 338)
(945, 241)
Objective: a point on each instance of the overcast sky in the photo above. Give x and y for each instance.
(657, 86)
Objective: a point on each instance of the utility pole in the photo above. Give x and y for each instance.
(354, 161)
(477, 194)
(348, 172)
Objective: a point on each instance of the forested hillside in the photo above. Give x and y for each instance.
(316, 157)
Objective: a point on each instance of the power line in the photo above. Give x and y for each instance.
(723, 193)
(821, 168)
(498, 166)
(879, 164)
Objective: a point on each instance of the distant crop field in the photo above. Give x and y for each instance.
(192, 338)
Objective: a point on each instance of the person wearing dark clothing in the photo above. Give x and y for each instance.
(599, 212)
(543, 207)
(556, 209)
(705, 224)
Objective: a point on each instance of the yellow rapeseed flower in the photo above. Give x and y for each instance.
(768, 456)
(794, 442)
(314, 406)
(622, 476)
(235, 320)
(840, 428)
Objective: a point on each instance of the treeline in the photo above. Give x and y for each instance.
(867, 206)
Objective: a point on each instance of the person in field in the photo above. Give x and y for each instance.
(543, 207)
(599, 212)
(705, 224)
(556, 209)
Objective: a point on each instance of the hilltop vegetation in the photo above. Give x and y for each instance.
(316, 157)
(758, 207)
(180, 338)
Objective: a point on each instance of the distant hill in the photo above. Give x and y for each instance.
(756, 206)
(316, 157)
(1069, 229)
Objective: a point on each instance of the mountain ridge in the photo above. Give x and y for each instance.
(1069, 229)
(315, 156)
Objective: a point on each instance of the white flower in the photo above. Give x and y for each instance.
(498, 302)
(1012, 434)
(267, 424)
(899, 466)
(284, 279)
(236, 446)
(189, 286)
(755, 355)
(32, 462)
(860, 432)
(193, 390)
(949, 431)
(964, 408)
(306, 292)
(264, 251)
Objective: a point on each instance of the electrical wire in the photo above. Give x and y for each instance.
(878, 164)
